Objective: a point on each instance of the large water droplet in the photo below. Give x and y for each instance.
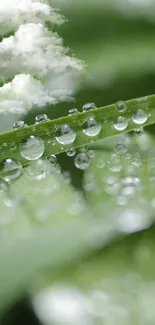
(88, 107)
(91, 127)
(41, 118)
(120, 123)
(73, 111)
(19, 125)
(71, 152)
(32, 148)
(139, 117)
(65, 135)
(121, 106)
(10, 169)
(82, 161)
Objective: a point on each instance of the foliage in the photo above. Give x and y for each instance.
(92, 230)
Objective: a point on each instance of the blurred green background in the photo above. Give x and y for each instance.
(116, 39)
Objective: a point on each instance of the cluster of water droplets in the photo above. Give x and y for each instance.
(121, 179)
(33, 147)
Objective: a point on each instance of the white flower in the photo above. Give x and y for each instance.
(34, 58)
(35, 50)
(14, 13)
(24, 93)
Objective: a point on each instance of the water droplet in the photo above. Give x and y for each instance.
(139, 131)
(120, 149)
(139, 117)
(88, 107)
(33, 128)
(52, 159)
(32, 148)
(13, 146)
(65, 135)
(73, 111)
(115, 163)
(120, 123)
(41, 118)
(10, 169)
(82, 161)
(71, 152)
(19, 125)
(121, 106)
(91, 127)
(39, 169)
(84, 149)
(91, 153)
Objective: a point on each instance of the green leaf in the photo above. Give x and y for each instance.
(118, 282)
(107, 116)
(41, 197)
(54, 247)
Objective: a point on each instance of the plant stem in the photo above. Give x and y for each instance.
(105, 115)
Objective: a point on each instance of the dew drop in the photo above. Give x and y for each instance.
(82, 161)
(65, 135)
(114, 163)
(71, 152)
(84, 149)
(139, 131)
(88, 107)
(139, 117)
(33, 128)
(41, 118)
(19, 125)
(121, 106)
(91, 127)
(39, 169)
(120, 149)
(52, 159)
(120, 123)
(13, 146)
(32, 148)
(73, 111)
(91, 153)
(10, 169)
